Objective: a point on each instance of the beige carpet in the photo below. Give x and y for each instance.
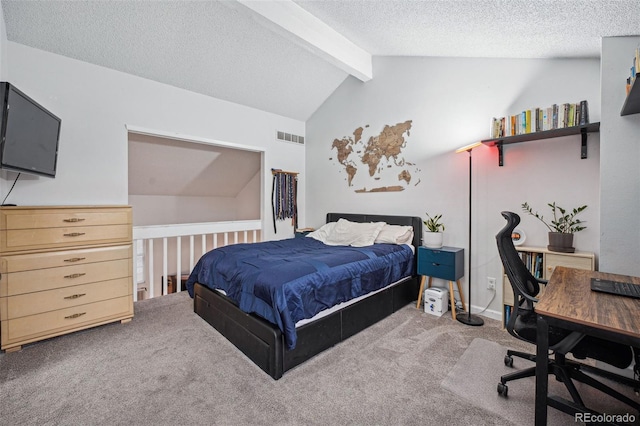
(477, 373)
(169, 367)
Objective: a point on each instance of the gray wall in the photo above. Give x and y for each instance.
(451, 102)
(97, 104)
(620, 156)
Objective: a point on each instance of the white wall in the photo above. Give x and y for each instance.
(96, 103)
(620, 174)
(245, 205)
(4, 70)
(451, 102)
(169, 209)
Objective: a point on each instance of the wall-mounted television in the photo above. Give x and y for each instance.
(29, 134)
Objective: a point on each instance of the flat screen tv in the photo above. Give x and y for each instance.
(29, 134)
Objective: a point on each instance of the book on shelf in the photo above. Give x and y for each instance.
(556, 116)
(584, 113)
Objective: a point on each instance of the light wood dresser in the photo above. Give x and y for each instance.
(63, 269)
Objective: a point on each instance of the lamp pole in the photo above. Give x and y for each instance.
(469, 319)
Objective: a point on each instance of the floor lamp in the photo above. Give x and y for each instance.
(469, 319)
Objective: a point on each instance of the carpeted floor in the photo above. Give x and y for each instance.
(484, 357)
(169, 367)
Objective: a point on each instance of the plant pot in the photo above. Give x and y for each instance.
(561, 242)
(432, 239)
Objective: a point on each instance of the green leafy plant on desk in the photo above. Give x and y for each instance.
(562, 227)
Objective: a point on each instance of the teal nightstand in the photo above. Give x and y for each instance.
(446, 263)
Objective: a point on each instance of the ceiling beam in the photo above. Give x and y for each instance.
(298, 25)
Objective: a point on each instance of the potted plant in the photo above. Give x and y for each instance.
(562, 227)
(433, 234)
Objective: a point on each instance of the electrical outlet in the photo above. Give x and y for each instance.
(491, 283)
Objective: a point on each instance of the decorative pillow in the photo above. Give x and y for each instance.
(395, 234)
(346, 233)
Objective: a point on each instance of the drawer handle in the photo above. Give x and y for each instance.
(73, 220)
(75, 296)
(74, 315)
(74, 234)
(75, 259)
(75, 275)
(435, 264)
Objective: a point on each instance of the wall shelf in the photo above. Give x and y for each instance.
(632, 103)
(546, 134)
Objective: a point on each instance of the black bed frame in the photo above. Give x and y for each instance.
(264, 343)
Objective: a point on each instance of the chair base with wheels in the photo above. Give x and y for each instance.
(523, 325)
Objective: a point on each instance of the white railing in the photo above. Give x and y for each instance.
(178, 251)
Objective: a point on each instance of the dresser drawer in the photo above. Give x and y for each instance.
(61, 217)
(44, 301)
(66, 276)
(32, 239)
(35, 327)
(33, 228)
(26, 262)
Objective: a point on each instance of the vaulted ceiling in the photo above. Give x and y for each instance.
(287, 57)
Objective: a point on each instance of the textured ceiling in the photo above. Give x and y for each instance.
(480, 28)
(222, 48)
(230, 51)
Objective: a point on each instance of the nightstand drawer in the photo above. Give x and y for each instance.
(437, 270)
(446, 262)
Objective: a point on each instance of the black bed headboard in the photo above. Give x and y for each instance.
(413, 221)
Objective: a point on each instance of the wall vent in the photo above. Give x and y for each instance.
(288, 137)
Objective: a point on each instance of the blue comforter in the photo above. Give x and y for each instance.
(289, 280)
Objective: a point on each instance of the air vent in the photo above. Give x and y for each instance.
(288, 137)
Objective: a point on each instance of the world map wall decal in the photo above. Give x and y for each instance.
(381, 155)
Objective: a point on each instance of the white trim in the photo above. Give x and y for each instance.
(190, 138)
(181, 229)
(293, 22)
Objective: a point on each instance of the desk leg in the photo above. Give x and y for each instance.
(542, 371)
(422, 279)
(464, 308)
(453, 300)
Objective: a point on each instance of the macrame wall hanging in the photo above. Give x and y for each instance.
(284, 195)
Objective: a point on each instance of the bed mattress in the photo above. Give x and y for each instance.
(291, 280)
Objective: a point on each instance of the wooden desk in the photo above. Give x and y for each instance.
(568, 302)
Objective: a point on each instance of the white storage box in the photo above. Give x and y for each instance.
(436, 301)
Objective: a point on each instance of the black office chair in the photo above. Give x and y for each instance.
(522, 325)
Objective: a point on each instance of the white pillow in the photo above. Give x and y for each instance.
(346, 233)
(322, 233)
(395, 234)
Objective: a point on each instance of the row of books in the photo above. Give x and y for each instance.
(635, 67)
(507, 314)
(556, 116)
(533, 261)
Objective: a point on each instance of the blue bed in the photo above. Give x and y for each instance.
(290, 280)
(260, 302)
